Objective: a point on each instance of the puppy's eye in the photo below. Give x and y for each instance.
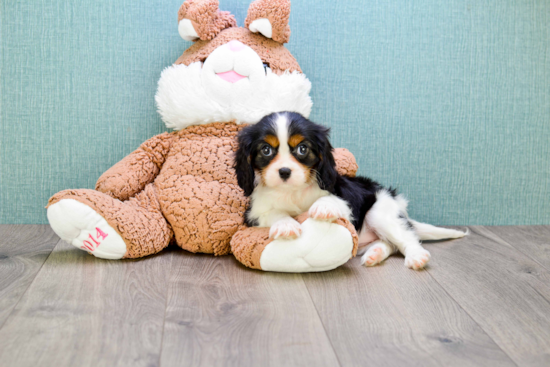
(267, 151)
(302, 149)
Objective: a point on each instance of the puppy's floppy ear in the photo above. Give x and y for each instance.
(243, 162)
(327, 167)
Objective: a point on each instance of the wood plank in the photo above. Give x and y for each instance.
(23, 250)
(220, 313)
(83, 311)
(532, 241)
(505, 292)
(389, 315)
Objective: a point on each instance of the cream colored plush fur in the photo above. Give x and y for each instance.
(194, 95)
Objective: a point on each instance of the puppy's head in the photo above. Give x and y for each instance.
(285, 149)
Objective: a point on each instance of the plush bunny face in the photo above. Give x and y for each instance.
(231, 74)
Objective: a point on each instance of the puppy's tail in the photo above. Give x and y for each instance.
(428, 232)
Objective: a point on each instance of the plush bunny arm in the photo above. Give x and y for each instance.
(129, 176)
(345, 162)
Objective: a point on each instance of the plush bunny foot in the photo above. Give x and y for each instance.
(107, 227)
(82, 227)
(322, 246)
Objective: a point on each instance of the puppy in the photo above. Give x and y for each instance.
(284, 163)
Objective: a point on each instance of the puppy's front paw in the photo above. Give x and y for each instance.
(417, 259)
(329, 209)
(285, 228)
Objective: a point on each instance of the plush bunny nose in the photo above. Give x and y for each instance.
(235, 46)
(285, 173)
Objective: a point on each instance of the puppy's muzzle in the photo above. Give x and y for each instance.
(284, 173)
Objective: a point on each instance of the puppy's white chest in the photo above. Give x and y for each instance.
(292, 202)
(296, 202)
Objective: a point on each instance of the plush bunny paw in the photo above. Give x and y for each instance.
(287, 228)
(82, 227)
(417, 259)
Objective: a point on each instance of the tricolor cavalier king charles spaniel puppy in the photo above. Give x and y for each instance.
(284, 163)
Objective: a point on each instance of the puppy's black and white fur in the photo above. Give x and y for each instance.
(284, 163)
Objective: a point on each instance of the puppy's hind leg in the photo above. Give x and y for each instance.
(377, 252)
(388, 219)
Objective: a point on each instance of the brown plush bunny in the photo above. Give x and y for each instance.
(180, 186)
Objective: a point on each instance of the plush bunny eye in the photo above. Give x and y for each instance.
(266, 151)
(302, 150)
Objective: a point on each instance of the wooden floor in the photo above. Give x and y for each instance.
(483, 301)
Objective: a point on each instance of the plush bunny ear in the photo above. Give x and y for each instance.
(270, 18)
(202, 19)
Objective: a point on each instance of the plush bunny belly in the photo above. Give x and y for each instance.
(198, 191)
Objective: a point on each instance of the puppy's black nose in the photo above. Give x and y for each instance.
(285, 173)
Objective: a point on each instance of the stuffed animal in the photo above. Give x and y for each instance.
(180, 187)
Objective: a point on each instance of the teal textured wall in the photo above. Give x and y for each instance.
(449, 100)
